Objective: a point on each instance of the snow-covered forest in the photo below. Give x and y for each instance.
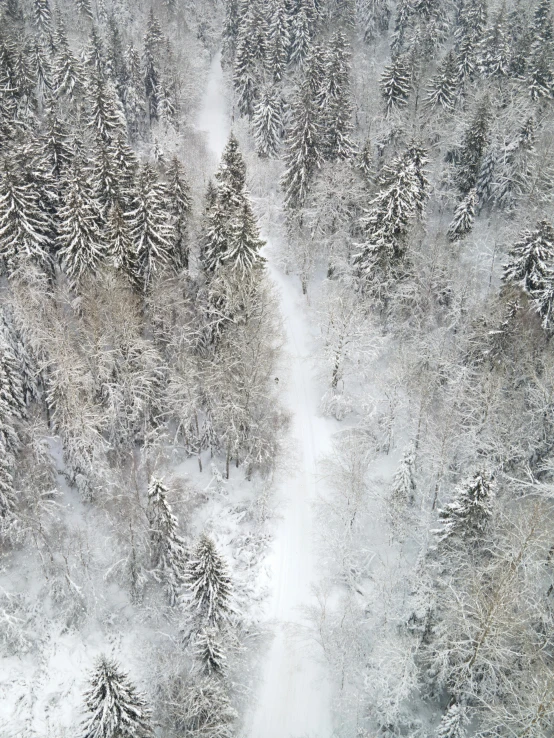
(276, 380)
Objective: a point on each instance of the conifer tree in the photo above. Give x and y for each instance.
(231, 28)
(42, 15)
(42, 69)
(494, 57)
(464, 217)
(396, 84)
(245, 76)
(443, 87)
(334, 101)
(167, 547)
(151, 229)
(118, 240)
(303, 154)
(85, 9)
(151, 61)
(532, 259)
(8, 500)
(373, 17)
(107, 117)
(301, 31)
(401, 198)
(474, 143)
(453, 722)
(210, 651)
(80, 247)
(267, 122)
(24, 226)
(403, 483)
(244, 242)
(134, 98)
(209, 584)
(115, 708)
(67, 75)
(402, 21)
(56, 149)
(180, 208)
(278, 48)
(468, 515)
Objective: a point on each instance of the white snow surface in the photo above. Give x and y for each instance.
(294, 699)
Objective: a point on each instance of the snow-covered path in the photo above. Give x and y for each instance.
(294, 694)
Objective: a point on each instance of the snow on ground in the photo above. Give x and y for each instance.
(294, 699)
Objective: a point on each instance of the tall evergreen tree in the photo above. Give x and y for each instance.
(335, 101)
(106, 114)
(443, 87)
(80, 247)
(180, 207)
(244, 243)
(67, 74)
(267, 122)
(531, 260)
(396, 84)
(303, 153)
(301, 30)
(115, 708)
(474, 143)
(464, 217)
(209, 584)
(167, 547)
(453, 722)
(24, 227)
(42, 15)
(468, 514)
(152, 232)
(278, 47)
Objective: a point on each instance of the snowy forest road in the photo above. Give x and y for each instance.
(294, 697)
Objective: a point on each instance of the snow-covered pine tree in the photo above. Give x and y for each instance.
(401, 198)
(278, 47)
(116, 709)
(244, 242)
(216, 240)
(134, 97)
(468, 514)
(85, 9)
(41, 67)
(209, 650)
(118, 240)
(464, 217)
(474, 143)
(231, 29)
(168, 551)
(246, 73)
(453, 722)
(494, 50)
(267, 121)
(42, 15)
(334, 100)
(24, 227)
(403, 483)
(55, 149)
(443, 86)
(231, 175)
(151, 229)
(373, 18)
(469, 31)
(66, 69)
(79, 241)
(106, 114)
(180, 207)
(531, 260)
(8, 500)
(303, 154)
(209, 583)
(301, 29)
(402, 22)
(153, 39)
(396, 84)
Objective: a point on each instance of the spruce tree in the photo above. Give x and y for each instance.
(334, 101)
(151, 229)
(42, 69)
(303, 153)
(267, 122)
(464, 217)
(301, 31)
(167, 547)
(245, 76)
(468, 514)
(80, 246)
(373, 17)
(209, 584)
(231, 28)
(118, 240)
(8, 500)
(151, 61)
(443, 87)
(453, 722)
(106, 114)
(42, 15)
(209, 650)
(278, 47)
(531, 260)
(474, 143)
(244, 242)
(67, 75)
(403, 483)
(134, 97)
(396, 84)
(24, 227)
(180, 208)
(115, 708)
(494, 56)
